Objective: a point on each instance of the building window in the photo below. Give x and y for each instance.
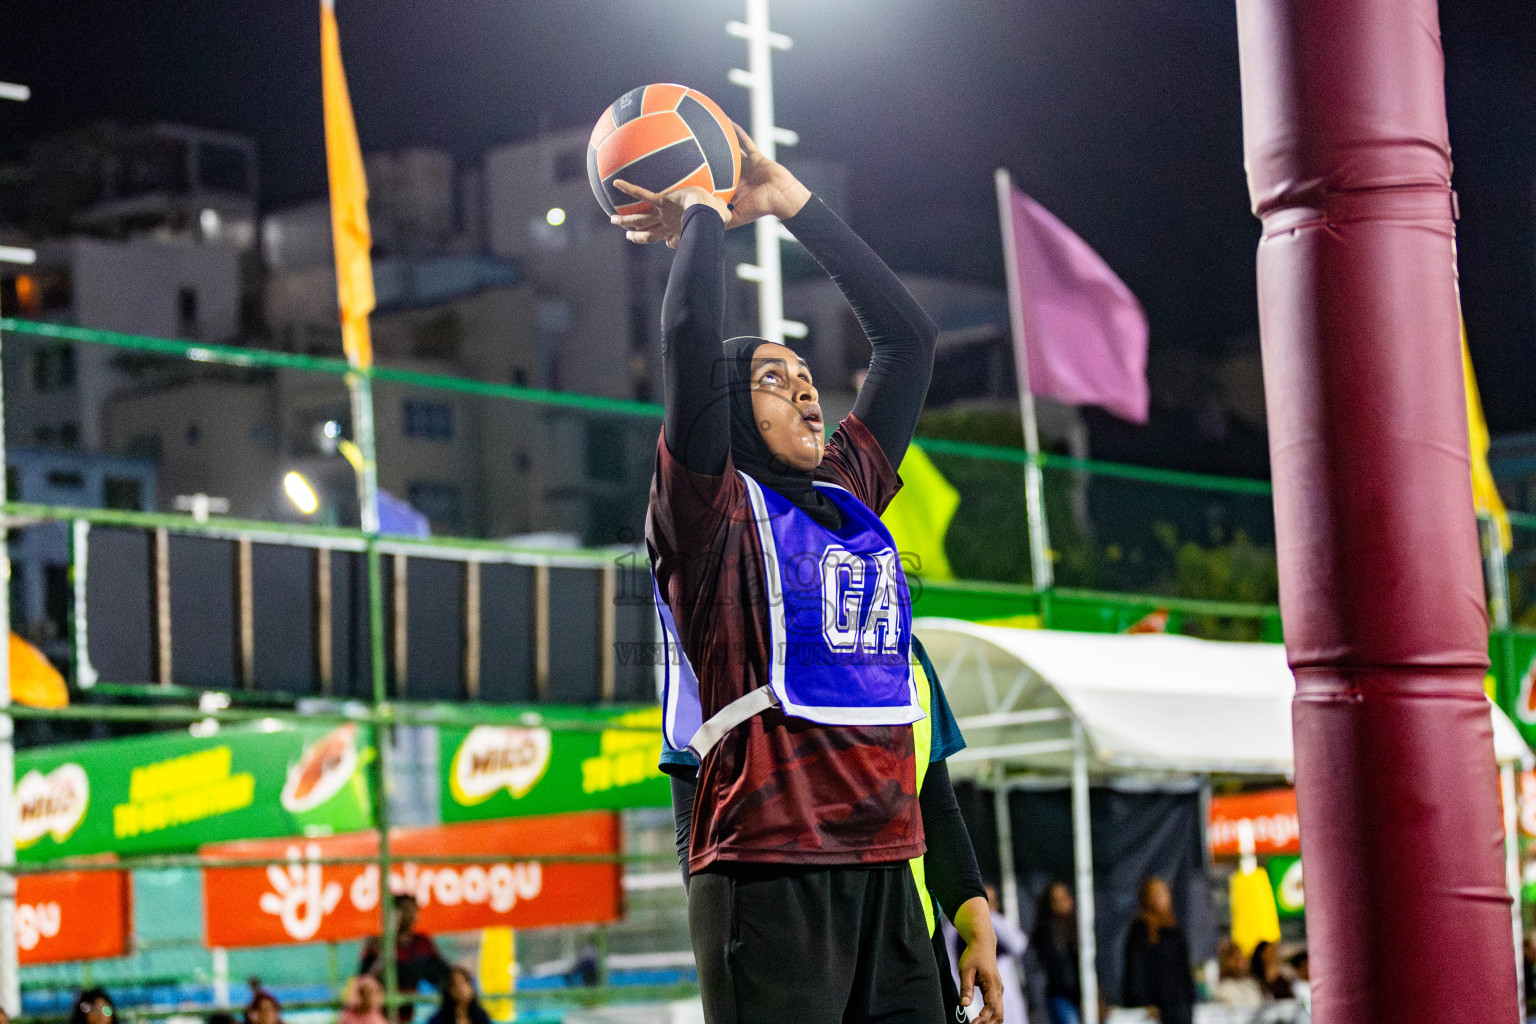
(124, 492)
(37, 291)
(438, 337)
(66, 479)
(62, 435)
(428, 421)
(186, 312)
(152, 165)
(53, 367)
(605, 451)
(58, 598)
(441, 503)
(144, 446)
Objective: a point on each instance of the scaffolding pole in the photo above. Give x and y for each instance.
(1082, 856)
(10, 971)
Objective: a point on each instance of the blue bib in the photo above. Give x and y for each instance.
(840, 621)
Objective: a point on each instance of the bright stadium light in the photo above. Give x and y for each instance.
(300, 493)
(555, 217)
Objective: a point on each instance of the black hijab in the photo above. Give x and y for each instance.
(750, 453)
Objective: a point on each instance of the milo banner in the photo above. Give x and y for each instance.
(502, 771)
(173, 791)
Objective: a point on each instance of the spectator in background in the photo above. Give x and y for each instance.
(461, 1005)
(263, 1009)
(1301, 982)
(1011, 944)
(216, 1017)
(587, 969)
(1268, 972)
(1054, 941)
(416, 957)
(1528, 970)
(93, 1006)
(363, 1002)
(1236, 986)
(1157, 969)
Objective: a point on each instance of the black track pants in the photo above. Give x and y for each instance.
(778, 945)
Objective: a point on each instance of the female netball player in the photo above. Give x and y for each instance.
(790, 605)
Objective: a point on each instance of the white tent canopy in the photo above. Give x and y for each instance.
(1151, 703)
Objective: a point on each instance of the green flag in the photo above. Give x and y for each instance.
(919, 516)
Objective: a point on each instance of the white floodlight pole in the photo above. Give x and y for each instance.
(758, 81)
(10, 970)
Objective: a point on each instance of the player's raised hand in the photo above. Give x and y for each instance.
(765, 188)
(663, 222)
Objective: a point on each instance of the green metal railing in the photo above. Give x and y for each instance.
(1114, 528)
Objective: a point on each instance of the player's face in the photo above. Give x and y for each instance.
(784, 403)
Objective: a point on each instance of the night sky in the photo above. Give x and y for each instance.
(1122, 116)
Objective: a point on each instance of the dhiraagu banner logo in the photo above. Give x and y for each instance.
(173, 791)
(497, 771)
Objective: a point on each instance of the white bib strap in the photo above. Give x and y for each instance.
(729, 717)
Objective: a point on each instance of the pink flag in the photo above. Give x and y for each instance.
(1084, 334)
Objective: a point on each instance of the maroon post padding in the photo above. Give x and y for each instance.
(1380, 583)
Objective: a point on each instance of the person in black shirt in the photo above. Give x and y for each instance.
(461, 1004)
(417, 958)
(1054, 942)
(1157, 969)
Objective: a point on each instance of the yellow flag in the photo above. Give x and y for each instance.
(349, 198)
(1485, 494)
(34, 680)
(1255, 918)
(919, 516)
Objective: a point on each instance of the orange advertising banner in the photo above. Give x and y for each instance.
(72, 915)
(299, 900)
(1276, 828)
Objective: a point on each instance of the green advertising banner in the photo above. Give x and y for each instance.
(503, 771)
(171, 792)
(1285, 876)
(1513, 675)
